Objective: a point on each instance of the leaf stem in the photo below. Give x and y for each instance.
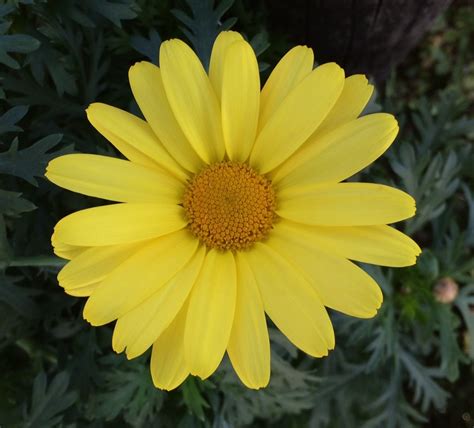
(37, 261)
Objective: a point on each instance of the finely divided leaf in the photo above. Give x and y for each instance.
(12, 204)
(203, 25)
(48, 402)
(9, 119)
(30, 162)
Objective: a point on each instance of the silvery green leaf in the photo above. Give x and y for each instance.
(465, 303)
(15, 43)
(203, 25)
(9, 119)
(12, 204)
(49, 401)
(149, 47)
(30, 162)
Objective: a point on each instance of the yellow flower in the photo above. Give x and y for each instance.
(231, 206)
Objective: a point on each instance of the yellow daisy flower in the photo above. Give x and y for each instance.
(230, 206)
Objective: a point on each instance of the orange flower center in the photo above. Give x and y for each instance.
(229, 206)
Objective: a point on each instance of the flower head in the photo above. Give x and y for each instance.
(230, 205)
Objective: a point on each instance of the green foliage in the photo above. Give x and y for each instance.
(148, 47)
(403, 368)
(30, 162)
(11, 203)
(193, 398)
(126, 389)
(18, 298)
(289, 392)
(13, 43)
(204, 24)
(465, 303)
(429, 169)
(10, 118)
(48, 402)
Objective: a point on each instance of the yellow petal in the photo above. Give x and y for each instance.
(65, 251)
(380, 245)
(219, 51)
(345, 204)
(149, 92)
(340, 284)
(119, 224)
(133, 137)
(68, 255)
(139, 277)
(240, 100)
(249, 344)
(290, 301)
(210, 314)
(94, 264)
(192, 99)
(291, 69)
(168, 365)
(338, 154)
(114, 179)
(138, 329)
(354, 97)
(85, 291)
(297, 117)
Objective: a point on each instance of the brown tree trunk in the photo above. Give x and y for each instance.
(363, 36)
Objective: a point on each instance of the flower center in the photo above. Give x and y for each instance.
(229, 206)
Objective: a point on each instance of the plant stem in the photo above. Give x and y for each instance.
(37, 261)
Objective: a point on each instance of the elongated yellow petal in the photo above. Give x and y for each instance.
(133, 137)
(119, 224)
(240, 100)
(85, 291)
(380, 245)
(290, 301)
(290, 70)
(68, 255)
(340, 284)
(139, 277)
(114, 179)
(168, 365)
(354, 97)
(192, 99)
(210, 314)
(219, 51)
(249, 344)
(345, 204)
(94, 264)
(297, 117)
(138, 329)
(149, 92)
(340, 153)
(66, 251)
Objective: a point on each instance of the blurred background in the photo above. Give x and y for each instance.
(411, 366)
